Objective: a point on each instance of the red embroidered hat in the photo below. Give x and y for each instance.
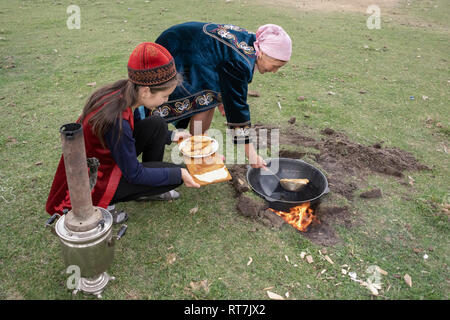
(151, 64)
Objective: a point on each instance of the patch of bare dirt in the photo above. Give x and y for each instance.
(259, 211)
(239, 181)
(346, 164)
(322, 234)
(371, 194)
(322, 231)
(334, 5)
(393, 10)
(291, 154)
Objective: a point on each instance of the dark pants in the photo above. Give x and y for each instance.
(183, 123)
(151, 135)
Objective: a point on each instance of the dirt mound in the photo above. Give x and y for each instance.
(291, 154)
(239, 181)
(322, 231)
(371, 194)
(259, 211)
(344, 160)
(353, 156)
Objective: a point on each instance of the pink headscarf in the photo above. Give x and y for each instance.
(273, 41)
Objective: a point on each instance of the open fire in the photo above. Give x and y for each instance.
(300, 217)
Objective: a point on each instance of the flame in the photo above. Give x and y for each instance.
(300, 217)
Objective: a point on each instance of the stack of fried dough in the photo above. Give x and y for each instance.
(198, 146)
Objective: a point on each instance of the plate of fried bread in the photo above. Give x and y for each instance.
(198, 146)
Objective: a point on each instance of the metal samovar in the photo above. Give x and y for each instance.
(85, 232)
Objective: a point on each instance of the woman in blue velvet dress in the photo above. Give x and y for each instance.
(217, 63)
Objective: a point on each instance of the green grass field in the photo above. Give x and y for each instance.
(167, 251)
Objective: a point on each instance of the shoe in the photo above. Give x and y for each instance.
(118, 216)
(166, 196)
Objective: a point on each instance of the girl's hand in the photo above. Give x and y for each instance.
(177, 135)
(188, 180)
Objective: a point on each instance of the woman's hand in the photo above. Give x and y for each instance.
(177, 135)
(188, 180)
(254, 159)
(257, 161)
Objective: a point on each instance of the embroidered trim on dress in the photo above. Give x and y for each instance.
(222, 31)
(240, 132)
(187, 106)
(241, 135)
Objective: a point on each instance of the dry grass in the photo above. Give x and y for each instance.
(344, 6)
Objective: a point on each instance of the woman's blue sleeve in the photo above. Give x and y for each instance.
(233, 80)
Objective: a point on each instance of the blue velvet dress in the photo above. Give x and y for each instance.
(217, 63)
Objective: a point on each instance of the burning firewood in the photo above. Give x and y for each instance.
(300, 217)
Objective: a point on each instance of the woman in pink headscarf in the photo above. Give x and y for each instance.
(217, 62)
(273, 48)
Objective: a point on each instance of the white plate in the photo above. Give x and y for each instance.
(214, 147)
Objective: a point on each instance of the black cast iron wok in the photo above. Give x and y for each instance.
(268, 187)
